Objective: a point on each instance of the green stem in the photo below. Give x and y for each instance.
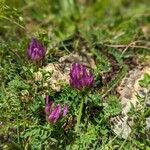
(80, 114)
(37, 66)
(18, 132)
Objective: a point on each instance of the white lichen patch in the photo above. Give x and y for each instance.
(129, 89)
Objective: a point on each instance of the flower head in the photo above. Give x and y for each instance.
(80, 78)
(54, 113)
(36, 51)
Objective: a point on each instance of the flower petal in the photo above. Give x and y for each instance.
(65, 110)
(55, 114)
(48, 107)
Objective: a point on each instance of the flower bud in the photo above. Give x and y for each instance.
(36, 51)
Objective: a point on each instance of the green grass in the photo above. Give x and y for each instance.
(106, 28)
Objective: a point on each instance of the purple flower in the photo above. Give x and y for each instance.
(80, 78)
(65, 110)
(54, 113)
(36, 51)
(48, 105)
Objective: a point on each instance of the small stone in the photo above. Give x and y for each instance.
(122, 129)
(142, 93)
(148, 123)
(1, 123)
(148, 103)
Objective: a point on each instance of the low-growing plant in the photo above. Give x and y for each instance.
(36, 33)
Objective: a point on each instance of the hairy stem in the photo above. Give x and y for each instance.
(80, 113)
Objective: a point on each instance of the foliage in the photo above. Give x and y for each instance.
(106, 29)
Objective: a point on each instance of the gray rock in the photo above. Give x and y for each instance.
(148, 123)
(148, 103)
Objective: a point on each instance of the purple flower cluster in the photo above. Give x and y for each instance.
(80, 78)
(36, 51)
(54, 113)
